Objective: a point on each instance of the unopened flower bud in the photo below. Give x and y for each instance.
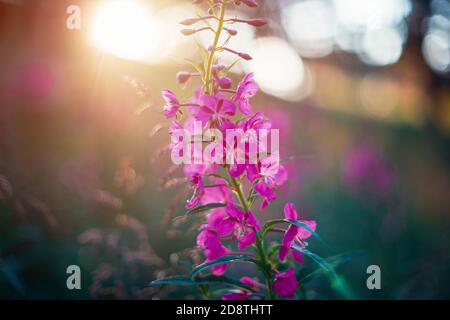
(183, 77)
(231, 32)
(190, 21)
(259, 22)
(188, 32)
(249, 3)
(244, 56)
(225, 82)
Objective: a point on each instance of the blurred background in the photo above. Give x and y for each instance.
(359, 89)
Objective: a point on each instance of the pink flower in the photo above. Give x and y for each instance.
(199, 190)
(236, 295)
(255, 130)
(215, 109)
(252, 283)
(209, 241)
(218, 219)
(285, 283)
(294, 233)
(246, 226)
(243, 294)
(247, 89)
(172, 103)
(271, 175)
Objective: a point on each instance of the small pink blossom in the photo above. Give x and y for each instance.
(270, 175)
(247, 89)
(294, 233)
(172, 103)
(285, 283)
(213, 248)
(199, 190)
(246, 226)
(215, 109)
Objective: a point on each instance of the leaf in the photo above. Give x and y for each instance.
(228, 69)
(337, 282)
(221, 260)
(186, 280)
(176, 281)
(205, 207)
(196, 66)
(334, 261)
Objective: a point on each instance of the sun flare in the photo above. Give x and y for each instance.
(125, 29)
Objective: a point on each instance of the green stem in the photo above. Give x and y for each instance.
(259, 240)
(236, 185)
(213, 49)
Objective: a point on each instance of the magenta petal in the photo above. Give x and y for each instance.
(193, 202)
(245, 107)
(289, 211)
(219, 270)
(234, 212)
(298, 256)
(252, 283)
(235, 296)
(170, 111)
(285, 283)
(303, 233)
(252, 172)
(246, 240)
(281, 176)
(283, 252)
(264, 204)
(236, 170)
(264, 190)
(228, 108)
(290, 235)
(225, 227)
(252, 221)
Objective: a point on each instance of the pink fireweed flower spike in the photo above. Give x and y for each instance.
(228, 178)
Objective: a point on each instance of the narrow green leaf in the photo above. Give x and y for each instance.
(205, 207)
(228, 69)
(334, 261)
(186, 280)
(337, 282)
(196, 66)
(222, 260)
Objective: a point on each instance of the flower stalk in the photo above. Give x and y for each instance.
(231, 224)
(208, 82)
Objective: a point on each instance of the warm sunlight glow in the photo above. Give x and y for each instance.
(278, 69)
(125, 29)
